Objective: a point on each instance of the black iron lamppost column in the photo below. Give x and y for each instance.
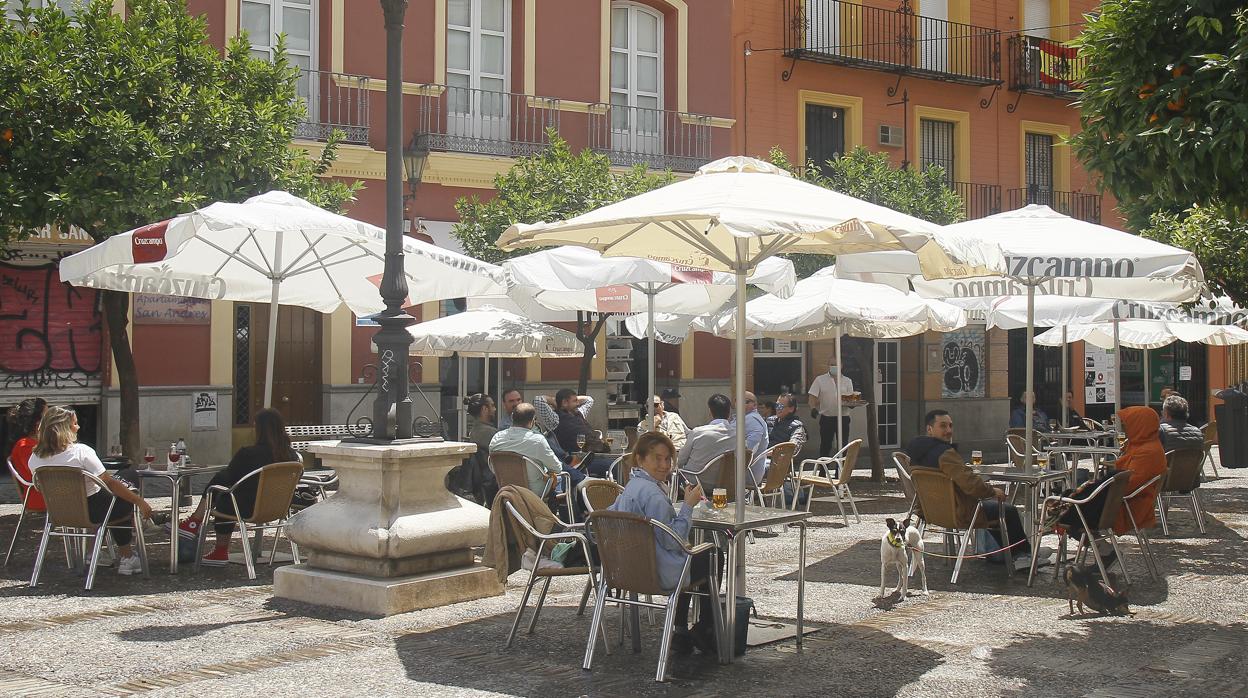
(393, 340)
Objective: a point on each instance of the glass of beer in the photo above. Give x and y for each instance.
(719, 498)
(580, 441)
(1042, 460)
(977, 457)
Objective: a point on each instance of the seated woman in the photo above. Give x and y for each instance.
(58, 445)
(646, 494)
(24, 420)
(272, 446)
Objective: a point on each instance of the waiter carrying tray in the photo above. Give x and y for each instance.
(826, 395)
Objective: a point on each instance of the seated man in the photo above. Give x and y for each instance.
(1018, 417)
(788, 426)
(547, 419)
(1074, 419)
(1176, 433)
(756, 433)
(936, 450)
(573, 410)
(670, 423)
(520, 438)
(709, 441)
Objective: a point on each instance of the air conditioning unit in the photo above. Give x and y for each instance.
(892, 136)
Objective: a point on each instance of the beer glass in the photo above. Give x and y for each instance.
(580, 441)
(977, 457)
(719, 498)
(1042, 460)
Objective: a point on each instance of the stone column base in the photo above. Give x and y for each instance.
(378, 596)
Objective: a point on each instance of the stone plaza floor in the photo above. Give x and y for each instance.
(219, 634)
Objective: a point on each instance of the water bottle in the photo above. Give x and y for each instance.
(183, 458)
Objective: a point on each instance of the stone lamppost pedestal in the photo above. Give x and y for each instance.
(393, 539)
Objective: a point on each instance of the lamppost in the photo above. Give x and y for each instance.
(392, 339)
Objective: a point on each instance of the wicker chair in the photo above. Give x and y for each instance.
(512, 468)
(630, 434)
(779, 459)
(621, 469)
(275, 487)
(902, 460)
(1141, 536)
(544, 542)
(722, 469)
(26, 486)
(599, 494)
(1210, 431)
(1182, 482)
(937, 497)
(821, 477)
(630, 569)
(64, 490)
(1113, 490)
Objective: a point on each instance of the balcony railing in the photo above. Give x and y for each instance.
(656, 138)
(335, 101)
(1076, 204)
(1044, 66)
(831, 31)
(979, 200)
(464, 120)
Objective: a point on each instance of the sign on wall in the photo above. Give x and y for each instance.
(154, 309)
(204, 411)
(962, 366)
(1100, 379)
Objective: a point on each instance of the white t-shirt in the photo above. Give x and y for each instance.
(825, 391)
(77, 455)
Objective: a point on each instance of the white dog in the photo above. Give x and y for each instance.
(893, 555)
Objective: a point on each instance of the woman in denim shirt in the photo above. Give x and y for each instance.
(647, 494)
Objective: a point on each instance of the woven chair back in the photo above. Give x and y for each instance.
(937, 497)
(64, 490)
(274, 491)
(847, 465)
(600, 494)
(1185, 467)
(902, 461)
(780, 467)
(626, 547)
(509, 469)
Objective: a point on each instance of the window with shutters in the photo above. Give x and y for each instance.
(1038, 168)
(936, 146)
(825, 134)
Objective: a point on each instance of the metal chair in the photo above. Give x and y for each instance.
(621, 469)
(822, 477)
(1182, 481)
(320, 481)
(64, 490)
(937, 497)
(779, 459)
(630, 433)
(599, 494)
(722, 467)
(1092, 424)
(1113, 490)
(275, 488)
(902, 460)
(26, 487)
(511, 468)
(1015, 444)
(1141, 537)
(1210, 431)
(547, 573)
(627, 547)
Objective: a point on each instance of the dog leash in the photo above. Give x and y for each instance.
(968, 557)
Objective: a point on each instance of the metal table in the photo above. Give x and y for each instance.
(1030, 481)
(174, 476)
(722, 524)
(1096, 453)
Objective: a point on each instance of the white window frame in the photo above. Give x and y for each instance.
(881, 422)
(308, 85)
(475, 31)
(629, 133)
(10, 6)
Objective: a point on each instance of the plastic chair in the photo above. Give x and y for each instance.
(547, 573)
(1182, 481)
(1141, 537)
(779, 459)
(627, 547)
(1113, 490)
(26, 487)
(64, 490)
(937, 498)
(902, 460)
(1210, 431)
(822, 477)
(511, 468)
(275, 488)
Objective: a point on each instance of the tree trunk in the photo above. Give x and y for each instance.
(865, 358)
(117, 317)
(589, 339)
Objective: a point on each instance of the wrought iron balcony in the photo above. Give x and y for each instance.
(469, 120)
(979, 200)
(1076, 204)
(898, 41)
(335, 101)
(656, 138)
(1044, 66)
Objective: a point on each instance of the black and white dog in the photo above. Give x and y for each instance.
(894, 546)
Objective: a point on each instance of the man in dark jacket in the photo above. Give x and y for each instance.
(1176, 433)
(788, 426)
(572, 424)
(936, 450)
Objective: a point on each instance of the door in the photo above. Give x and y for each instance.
(297, 365)
(264, 20)
(887, 391)
(477, 48)
(636, 79)
(933, 45)
(825, 134)
(936, 146)
(1038, 153)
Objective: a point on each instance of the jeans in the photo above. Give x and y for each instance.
(995, 510)
(827, 433)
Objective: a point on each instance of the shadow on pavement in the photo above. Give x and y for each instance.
(548, 663)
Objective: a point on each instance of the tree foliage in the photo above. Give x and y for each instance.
(1216, 240)
(1165, 104)
(109, 122)
(870, 176)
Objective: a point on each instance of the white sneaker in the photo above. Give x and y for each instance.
(130, 565)
(528, 559)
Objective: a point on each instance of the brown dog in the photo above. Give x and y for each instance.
(1083, 588)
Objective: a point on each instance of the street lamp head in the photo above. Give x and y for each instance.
(414, 160)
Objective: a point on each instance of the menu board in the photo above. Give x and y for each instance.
(1100, 376)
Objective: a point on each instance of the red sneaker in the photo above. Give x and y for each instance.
(189, 529)
(219, 557)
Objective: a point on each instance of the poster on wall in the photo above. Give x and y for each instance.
(154, 309)
(962, 366)
(1100, 380)
(204, 411)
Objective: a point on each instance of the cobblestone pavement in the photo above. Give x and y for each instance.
(219, 634)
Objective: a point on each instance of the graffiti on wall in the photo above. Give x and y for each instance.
(50, 332)
(963, 363)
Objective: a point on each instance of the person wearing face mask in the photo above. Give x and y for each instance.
(824, 394)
